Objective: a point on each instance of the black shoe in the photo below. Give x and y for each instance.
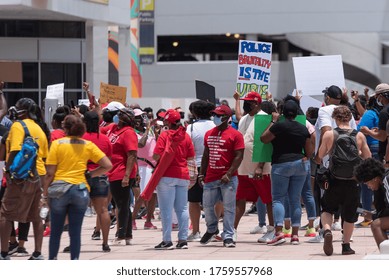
(12, 248)
(182, 245)
(66, 249)
(229, 243)
(327, 246)
(346, 249)
(106, 248)
(141, 213)
(164, 246)
(96, 235)
(208, 237)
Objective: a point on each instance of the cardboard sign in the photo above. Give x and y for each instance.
(254, 67)
(11, 72)
(110, 93)
(56, 92)
(205, 92)
(314, 73)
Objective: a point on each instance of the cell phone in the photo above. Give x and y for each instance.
(72, 104)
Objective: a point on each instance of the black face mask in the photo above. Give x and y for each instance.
(247, 107)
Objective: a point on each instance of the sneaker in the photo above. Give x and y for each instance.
(113, 222)
(96, 235)
(12, 248)
(277, 240)
(316, 223)
(229, 243)
(106, 248)
(304, 227)
(129, 241)
(37, 258)
(218, 238)
(336, 226)
(384, 247)
(311, 232)
(47, 232)
(174, 227)
(363, 224)
(164, 246)
(22, 252)
(252, 210)
(259, 229)
(328, 247)
(346, 249)
(294, 240)
(318, 238)
(208, 237)
(182, 245)
(269, 235)
(194, 237)
(235, 235)
(6, 258)
(141, 213)
(287, 232)
(118, 242)
(88, 212)
(149, 225)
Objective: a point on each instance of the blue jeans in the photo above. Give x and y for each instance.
(261, 212)
(287, 181)
(73, 203)
(173, 194)
(308, 199)
(214, 192)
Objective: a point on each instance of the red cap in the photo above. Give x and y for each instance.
(172, 116)
(253, 96)
(222, 110)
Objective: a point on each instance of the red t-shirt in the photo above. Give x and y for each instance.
(102, 142)
(123, 141)
(222, 146)
(179, 166)
(105, 129)
(56, 134)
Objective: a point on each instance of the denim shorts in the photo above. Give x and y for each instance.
(98, 186)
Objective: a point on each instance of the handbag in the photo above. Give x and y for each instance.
(322, 177)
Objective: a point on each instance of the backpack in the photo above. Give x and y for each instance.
(24, 163)
(345, 154)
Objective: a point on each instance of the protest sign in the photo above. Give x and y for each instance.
(110, 93)
(254, 67)
(205, 92)
(314, 73)
(263, 152)
(56, 92)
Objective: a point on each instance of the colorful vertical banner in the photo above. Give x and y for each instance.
(263, 152)
(136, 71)
(113, 58)
(146, 32)
(254, 67)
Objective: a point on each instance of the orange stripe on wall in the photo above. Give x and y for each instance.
(113, 57)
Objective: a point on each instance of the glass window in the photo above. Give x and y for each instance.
(56, 73)
(12, 97)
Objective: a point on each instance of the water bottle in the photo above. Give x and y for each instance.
(44, 211)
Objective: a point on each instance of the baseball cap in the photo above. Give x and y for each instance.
(382, 88)
(138, 112)
(172, 116)
(114, 106)
(127, 111)
(222, 110)
(334, 92)
(253, 96)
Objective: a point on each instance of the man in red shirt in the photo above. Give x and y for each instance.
(222, 156)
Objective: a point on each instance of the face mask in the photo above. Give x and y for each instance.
(217, 120)
(116, 119)
(247, 107)
(379, 102)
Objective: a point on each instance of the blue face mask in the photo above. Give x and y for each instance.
(217, 120)
(116, 119)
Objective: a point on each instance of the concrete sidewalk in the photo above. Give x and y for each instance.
(247, 247)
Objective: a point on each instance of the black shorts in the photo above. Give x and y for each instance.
(345, 193)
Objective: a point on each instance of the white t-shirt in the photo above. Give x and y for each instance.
(246, 127)
(325, 119)
(196, 132)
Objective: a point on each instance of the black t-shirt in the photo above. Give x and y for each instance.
(383, 119)
(289, 141)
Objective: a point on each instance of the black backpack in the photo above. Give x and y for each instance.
(345, 154)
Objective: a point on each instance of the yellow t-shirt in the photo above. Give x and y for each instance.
(70, 155)
(16, 137)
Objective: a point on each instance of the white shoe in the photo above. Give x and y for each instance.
(118, 242)
(194, 237)
(235, 235)
(259, 229)
(269, 235)
(88, 212)
(336, 226)
(129, 242)
(318, 238)
(384, 247)
(316, 223)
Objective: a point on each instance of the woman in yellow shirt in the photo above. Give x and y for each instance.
(66, 183)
